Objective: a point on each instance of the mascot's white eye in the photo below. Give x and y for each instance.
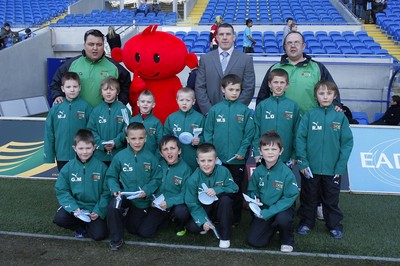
(137, 57)
(156, 58)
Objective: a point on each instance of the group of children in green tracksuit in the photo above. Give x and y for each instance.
(192, 169)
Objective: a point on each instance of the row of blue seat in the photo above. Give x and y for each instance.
(266, 12)
(389, 21)
(346, 43)
(26, 13)
(122, 18)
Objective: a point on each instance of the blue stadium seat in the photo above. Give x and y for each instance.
(361, 117)
(377, 116)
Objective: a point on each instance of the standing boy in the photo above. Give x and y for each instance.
(132, 169)
(154, 128)
(323, 146)
(63, 121)
(274, 185)
(220, 183)
(186, 119)
(80, 186)
(277, 113)
(175, 173)
(230, 128)
(107, 122)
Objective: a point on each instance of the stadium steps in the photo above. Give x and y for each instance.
(198, 11)
(54, 20)
(383, 40)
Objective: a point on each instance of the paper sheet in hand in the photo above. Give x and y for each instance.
(132, 195)
(83, 215)
(213, 228)
(185, 138)
(255, 208)
(197, 132)
(250, 200)
(205, 199)
(158, 200)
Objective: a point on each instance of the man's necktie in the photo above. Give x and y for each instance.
(224, 61)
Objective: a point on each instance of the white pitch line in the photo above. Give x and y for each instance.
(237, 250)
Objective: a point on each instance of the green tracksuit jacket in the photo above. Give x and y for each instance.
(180, 122)
(106, 123)
(83, 185)
(62, 123)
(174, 178)
(275, 187)
(324, 141)
(154, 131)
(130, 171)
(220, 180)
(282, 115)
(230, 127)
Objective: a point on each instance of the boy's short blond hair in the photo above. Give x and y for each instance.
(110, 81)
(186, 90)
(135, 126)
(205, 148)
(147, 92)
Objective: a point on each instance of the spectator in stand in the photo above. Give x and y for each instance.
(113, 38)
(213, 33)
(28, 33)
(155, 7)
(378, 6)
(248, 41)
(143, 8)
(5, 34)
(367, 6)
(286, 29)
(392, 115)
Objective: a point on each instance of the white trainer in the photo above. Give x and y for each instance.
(286, 248)
(224, 243)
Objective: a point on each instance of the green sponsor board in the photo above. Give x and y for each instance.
(21, 148)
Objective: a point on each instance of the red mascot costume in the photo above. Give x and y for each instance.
(155, 58)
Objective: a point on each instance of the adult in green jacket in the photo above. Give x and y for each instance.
(107, 123)
(62, 122)
(303, 72)
(92, 67)
(282, 115)
(179, 122)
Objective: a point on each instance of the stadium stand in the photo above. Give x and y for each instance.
(34, 12)
(271, 11)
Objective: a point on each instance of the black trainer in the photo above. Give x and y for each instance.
(114, 246)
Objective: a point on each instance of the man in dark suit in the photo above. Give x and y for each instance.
(211, 70)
